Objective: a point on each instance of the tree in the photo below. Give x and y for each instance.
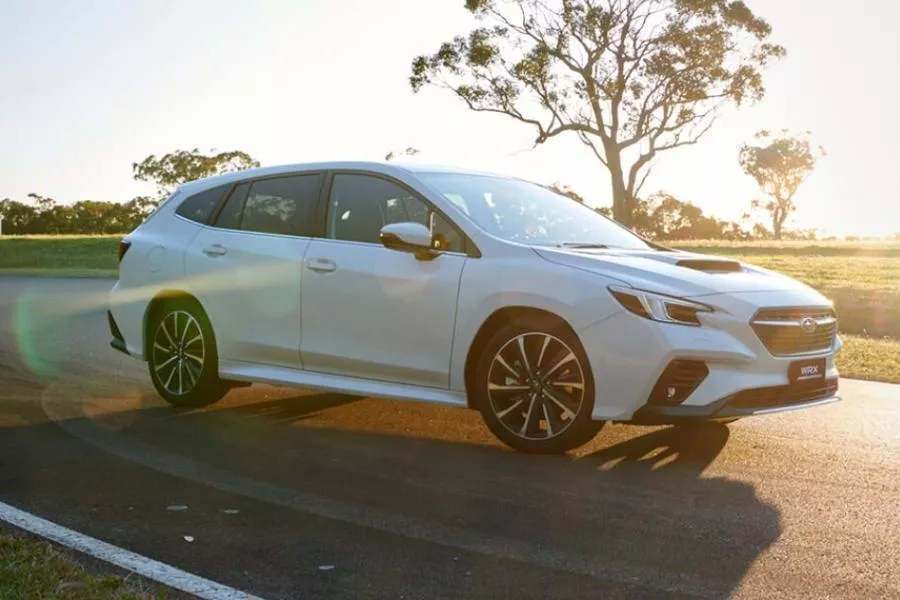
(629, 78)
(172, 169)
(18, 218)
(662, 216)
(780, 164)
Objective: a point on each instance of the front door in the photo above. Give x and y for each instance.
(246, 268)
(375, 313)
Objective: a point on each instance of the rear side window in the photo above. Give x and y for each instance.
(200, 206)
(280, 205)
(230, 217)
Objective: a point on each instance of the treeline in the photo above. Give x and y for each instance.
(42, 215)
(664, 217)
(660, 216)
(45, 216)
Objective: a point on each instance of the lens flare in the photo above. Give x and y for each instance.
(26, 327)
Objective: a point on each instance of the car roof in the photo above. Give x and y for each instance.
(384, 167)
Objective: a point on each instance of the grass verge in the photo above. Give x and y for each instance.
(870, 358)
(32, 568)
(59, 255)
(39, 272)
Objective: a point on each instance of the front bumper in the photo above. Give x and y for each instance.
(747, 403)
(629, 357)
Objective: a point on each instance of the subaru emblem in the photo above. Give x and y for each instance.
(808, 324)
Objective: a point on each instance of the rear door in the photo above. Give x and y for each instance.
(245, 268)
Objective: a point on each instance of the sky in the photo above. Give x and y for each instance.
(89, 87)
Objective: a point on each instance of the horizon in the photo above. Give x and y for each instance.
(232, 76)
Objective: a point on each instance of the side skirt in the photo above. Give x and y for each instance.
(242, 371)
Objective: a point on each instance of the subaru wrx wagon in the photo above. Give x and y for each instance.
(462, 288)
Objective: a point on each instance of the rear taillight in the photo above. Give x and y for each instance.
(123, 248)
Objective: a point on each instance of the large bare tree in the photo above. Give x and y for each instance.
(779, 164)
(629, 78)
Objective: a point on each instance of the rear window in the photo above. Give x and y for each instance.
(198, 207)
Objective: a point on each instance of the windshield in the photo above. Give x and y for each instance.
(524, 212)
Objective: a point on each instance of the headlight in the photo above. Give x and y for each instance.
(658, 307)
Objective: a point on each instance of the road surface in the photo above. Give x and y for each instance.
(296, 494)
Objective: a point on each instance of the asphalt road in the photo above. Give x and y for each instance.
(296, 494)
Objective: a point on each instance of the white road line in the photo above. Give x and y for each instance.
(146, 567)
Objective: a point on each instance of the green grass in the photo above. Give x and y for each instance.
(868, 358)
(59, 255)
(34, 569)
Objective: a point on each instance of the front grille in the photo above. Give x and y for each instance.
(784, 395)
(678, 381)
(781, 330)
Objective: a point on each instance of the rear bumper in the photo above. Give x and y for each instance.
(117, 342)
(747, 403)
(125, 312)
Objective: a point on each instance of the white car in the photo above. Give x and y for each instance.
(462, 288)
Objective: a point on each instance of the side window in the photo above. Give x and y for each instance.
(201, 205)
(446, 236)
(406, 208)
(282, 205)
(230, 216)
(360, 205)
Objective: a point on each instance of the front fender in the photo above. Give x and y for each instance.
(578, 298)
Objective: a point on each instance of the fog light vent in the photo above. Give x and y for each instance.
(678, 381)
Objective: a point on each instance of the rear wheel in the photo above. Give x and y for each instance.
(182, 355)
(535, 390)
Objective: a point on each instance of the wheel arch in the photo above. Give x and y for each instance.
(498, 319)
(158, 301)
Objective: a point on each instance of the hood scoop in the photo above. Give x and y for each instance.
(711, 265)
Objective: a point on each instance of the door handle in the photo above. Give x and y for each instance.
(322, 265)
(215, 250)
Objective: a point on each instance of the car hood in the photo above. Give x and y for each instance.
(678, 273)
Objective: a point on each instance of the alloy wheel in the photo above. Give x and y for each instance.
(179, 352)
(536, 386)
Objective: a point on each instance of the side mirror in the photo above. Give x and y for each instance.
(409, 237)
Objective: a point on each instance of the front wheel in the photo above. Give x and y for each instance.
(182, 357)
(535, 390)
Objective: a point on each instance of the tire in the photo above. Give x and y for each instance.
(525, 403)
(182, 355)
